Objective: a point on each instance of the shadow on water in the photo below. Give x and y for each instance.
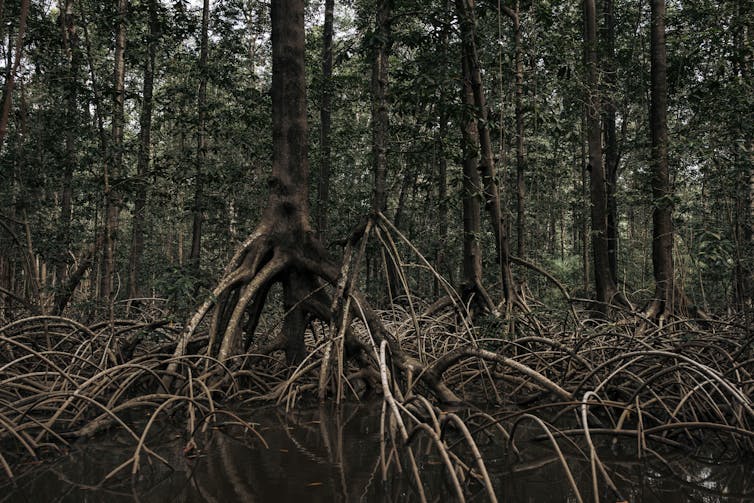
(333, 455)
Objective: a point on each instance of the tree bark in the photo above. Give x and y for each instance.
(380, 119)
(472, 192)
(442, 161)
(520, 155)
(114, 170)
(70, 46)
(201, 147)
(467, 20)
(605, 286)
(611, 139)
(325, 113)
(662, 193)
(142, 168)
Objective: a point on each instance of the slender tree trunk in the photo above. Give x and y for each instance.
(442, 195)
(11, 76)
(380, 120)
(520, 155)
(583, 214)
(325, 112)
(142, 168)
(113, 172)
(605, 286)
(472, 192)
(662, 193)
(611, 139)
(408, 183)
(442, 161)
(70, 45)
(467, 20)
(381, 125)
(201, 147)
(745, 13)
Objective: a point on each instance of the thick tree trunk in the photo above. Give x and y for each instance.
(201, 147)
(10, 79)
(284, 248)
(113, 171)
(142, 168)
(662, 193)
(325, 113)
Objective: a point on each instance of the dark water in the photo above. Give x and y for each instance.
(325, 455)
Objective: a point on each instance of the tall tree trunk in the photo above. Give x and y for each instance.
(471, 194)
(70, 45)
(442, 161)
(605, 286)
(142, 167)
(380, 120)
(201, 147)
(745, 214)
(747, 12)
(325, 112)
(611, 139)
(520, 155)
(114, 170)
(583, 219)
(467, 20)
(381, 125)
(662, 193)
(11, 76)
(290, 167)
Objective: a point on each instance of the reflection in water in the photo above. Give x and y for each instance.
(332, 455)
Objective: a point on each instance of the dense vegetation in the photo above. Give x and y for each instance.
(498, 203)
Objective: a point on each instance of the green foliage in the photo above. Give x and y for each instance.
(711, 124)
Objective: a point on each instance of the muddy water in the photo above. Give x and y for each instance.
(323, 455)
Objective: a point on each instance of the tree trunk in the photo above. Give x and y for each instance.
(467, 20)
(201, 147)
(745, 156)
(11, 75)
(114, 170)
(325, 112)
(284, 248)
(662, 230)
(662, 193)
(471, 194)
(142, 168)
(583, 220)
(380, 120)
(440, 156)
(520, 155)
(605, 286)
(70, 46)
(611, 139)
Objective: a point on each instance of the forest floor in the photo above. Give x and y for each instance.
(661, 389)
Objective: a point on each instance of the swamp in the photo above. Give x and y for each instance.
(377, 250)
